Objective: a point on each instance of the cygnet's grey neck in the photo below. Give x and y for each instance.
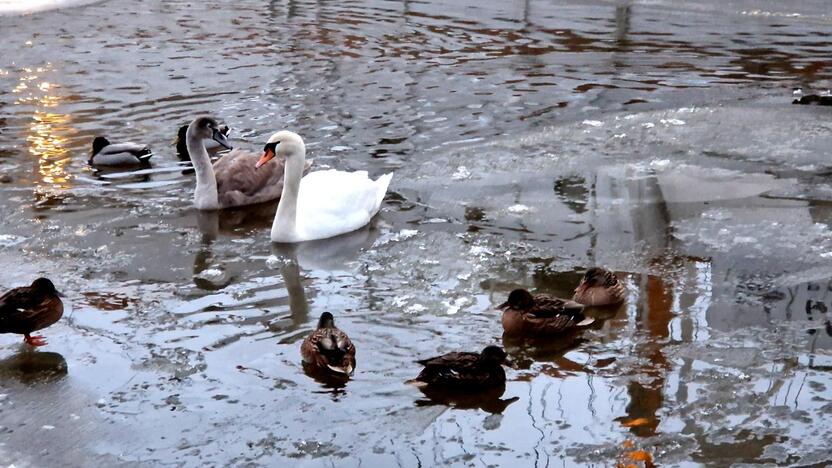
(205, 194)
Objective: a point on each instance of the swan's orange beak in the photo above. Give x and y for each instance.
(267, 156)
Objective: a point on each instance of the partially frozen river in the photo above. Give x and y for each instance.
(530, 140)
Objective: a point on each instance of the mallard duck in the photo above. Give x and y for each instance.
(600, 287)
(527, 314)
(323, 204)
(233, 180)
(328, 349)
(105, 153)
(210, 145)
(30, 308)
(814, 99)
(455, 371)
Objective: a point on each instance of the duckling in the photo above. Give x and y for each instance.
(30, 308)
(527, 314)
(328, 349)
(210, 145)
(455, 371)
(600, 287)
(105, 153)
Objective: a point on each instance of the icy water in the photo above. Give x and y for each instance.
(530, 140)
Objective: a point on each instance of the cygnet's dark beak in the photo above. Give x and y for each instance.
(221, 139)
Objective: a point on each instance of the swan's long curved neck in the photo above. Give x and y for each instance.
(285, 221)
(205, 194)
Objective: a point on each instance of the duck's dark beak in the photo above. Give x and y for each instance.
(221, 139)
(267, 156)
(503, 305)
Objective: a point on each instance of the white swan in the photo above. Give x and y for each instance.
(324, 203)
(105, 153)
(232, 180)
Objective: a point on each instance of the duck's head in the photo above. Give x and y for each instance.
(44, 286)
(493, 354)
(98, 144)
(284, 143)
(326, 321)
(206, 127)
(593, 277)
(518, 299)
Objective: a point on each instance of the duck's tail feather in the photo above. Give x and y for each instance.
(416, 383)
(347, 370)
(585, 322)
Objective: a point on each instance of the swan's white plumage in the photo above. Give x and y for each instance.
(322, 204)
(334, 202)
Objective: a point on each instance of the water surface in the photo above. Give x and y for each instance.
(530, 140)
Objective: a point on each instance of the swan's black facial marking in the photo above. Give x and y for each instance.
(271, 147)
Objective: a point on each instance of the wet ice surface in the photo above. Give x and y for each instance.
(529, 142)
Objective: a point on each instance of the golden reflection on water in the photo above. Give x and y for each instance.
(46, 135)
(47, 144)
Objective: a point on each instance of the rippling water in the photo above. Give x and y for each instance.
(530, 140)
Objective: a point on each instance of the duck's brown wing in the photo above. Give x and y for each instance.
(548, 306)
(328, 346)
(239, 183)
(449, 359)
(21, 311)
(463, 369)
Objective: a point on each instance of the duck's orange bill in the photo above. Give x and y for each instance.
(267, 156)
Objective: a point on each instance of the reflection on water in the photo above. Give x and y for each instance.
(33, 367)
(531, 140)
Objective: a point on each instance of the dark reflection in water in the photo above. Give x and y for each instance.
(530, 140)
(488, 400)
(33, 367)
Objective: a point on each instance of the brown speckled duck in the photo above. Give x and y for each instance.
(328, 349)
(30, 308)
(455, 371)
(527, 314)
(600, 287)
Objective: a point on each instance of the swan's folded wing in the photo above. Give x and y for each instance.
(239, 183)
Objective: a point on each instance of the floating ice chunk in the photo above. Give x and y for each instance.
(481, 251)
(672, 122)
(660, 164)
(399, 301)
(404, 234)
(518, 208)
(273, 262)
(9, 240)
(415, 309)
(648, 125)
(339, 149)
(47, 427)
(462, 172)
(593, 123)
(456, 305)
